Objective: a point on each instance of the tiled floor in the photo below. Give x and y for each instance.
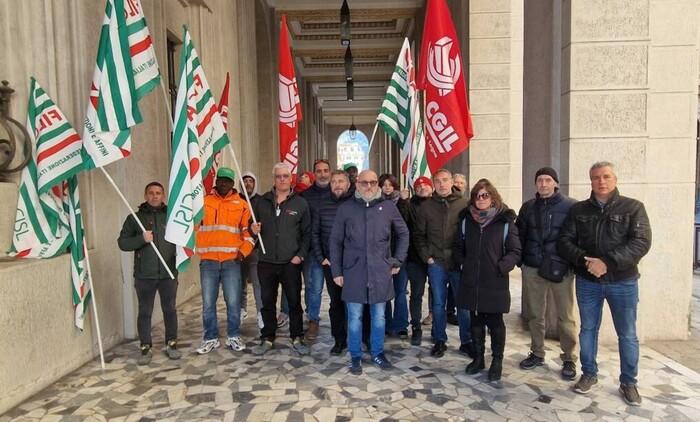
(283, 386)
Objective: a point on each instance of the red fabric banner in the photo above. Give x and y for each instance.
(223, 110)
(289, 105)
(448, 125)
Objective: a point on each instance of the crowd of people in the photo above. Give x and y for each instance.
(376, 247)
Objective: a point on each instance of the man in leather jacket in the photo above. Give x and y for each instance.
(604, 238)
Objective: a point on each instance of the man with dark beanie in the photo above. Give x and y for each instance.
(539, 221)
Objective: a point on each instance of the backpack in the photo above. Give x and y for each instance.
(505, 232)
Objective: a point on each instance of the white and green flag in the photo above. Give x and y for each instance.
(143, 55)
(57, 143)
(113, 105)
(198, 134)
(80, 275)
(400, 118)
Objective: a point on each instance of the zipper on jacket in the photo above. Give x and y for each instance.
(478, 267)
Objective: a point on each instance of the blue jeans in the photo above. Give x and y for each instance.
(439, 279)
(313, 288)
(398, 319)
(228, 274)
(622, 298)
(376, 338)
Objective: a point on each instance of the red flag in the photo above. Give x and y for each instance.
(223, 110)
(448, 125)
(289, 106)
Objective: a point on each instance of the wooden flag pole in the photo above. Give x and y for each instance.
(245, 192)
(133, 214)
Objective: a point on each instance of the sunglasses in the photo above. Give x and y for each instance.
(366, 183)
(483, 196)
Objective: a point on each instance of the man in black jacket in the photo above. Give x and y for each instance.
(604, 238)
(321, 226)
(284, 225)
(539, 221)
(150, 276)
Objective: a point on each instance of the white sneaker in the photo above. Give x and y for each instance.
(261, 324)
(282, 319)
(208, 346)
(236, 343)
(244, 314)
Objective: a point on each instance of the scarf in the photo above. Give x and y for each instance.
(483, 217)
(393, 197)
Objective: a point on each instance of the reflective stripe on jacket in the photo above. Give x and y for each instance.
(223, 233)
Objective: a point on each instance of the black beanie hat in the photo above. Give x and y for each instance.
(549, 172)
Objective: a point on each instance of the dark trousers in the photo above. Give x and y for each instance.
(417, 276)
(146, 294)
(491, 320)
(271, 276)
(336, 312)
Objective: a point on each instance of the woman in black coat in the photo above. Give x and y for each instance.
(486, 249)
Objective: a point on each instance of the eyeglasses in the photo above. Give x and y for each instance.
(365, 183)
(483, 196)
(282, 176)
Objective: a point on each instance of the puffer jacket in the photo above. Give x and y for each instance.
(411, 220)
(147, 265)
(436, 225)
(485, 283)
(552, 213)
(360, 246)
(322, 225)
(619, 234)
(223, 234)
(288, 235)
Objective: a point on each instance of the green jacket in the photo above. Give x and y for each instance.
(146, 263)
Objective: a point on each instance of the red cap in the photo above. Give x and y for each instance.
(419, 181)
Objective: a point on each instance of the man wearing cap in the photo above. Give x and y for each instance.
(351, 169)
(415, 267)
(539, 222)
(222, 242)
(437, 223)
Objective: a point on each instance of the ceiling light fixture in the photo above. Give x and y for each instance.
(345, 23)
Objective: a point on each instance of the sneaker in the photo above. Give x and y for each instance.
(531, 361)
(244, 314)
(171, 350)
(356, 366)
(585, 384)
(468, 349)
(262, 348)
(381, 361)
(300, 347)
(282, 319)
(261, 324)
(146, 353)
(438, 350)
(338, 347)
(568, 371)
(236, 343)
(403, 334)
(452, 319)
(416, 337)
(312, 332)
(630, 394)
(208, 346)
(428, 320)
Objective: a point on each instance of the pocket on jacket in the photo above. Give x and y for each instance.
(619, 224)
(349, 263)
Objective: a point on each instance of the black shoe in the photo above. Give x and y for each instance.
(496, 369)
(416, 337)
(531, 361)
(381, 361)
(356, 366)
(338, 348)
(476, 365)
(568, 371)
(468, 349)
(403, 334)
(452, 319)
(438, 349)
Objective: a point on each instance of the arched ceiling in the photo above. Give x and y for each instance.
(377, 32)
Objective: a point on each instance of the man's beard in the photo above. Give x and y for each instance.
(322, 184)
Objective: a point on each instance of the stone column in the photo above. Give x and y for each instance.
(247, 149)
(495, 94)
(629, 86)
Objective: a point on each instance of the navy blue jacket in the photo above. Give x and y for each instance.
(322, 225)
(314, 194)
(360, 246)
(553, 212)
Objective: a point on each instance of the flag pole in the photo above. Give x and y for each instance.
(94, 308)
(371, 141)
(245, 192)
(167, 104)
(133, 214)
